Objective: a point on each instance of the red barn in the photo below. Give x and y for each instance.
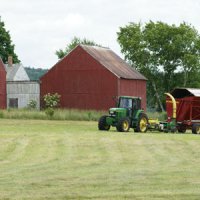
(90, 77)
(2, 86)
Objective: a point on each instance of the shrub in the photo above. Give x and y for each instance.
(32, 104)
(51, 102)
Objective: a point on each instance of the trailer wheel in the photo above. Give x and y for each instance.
(196, 128)
(102, 124)
(181, 129)
(142, 124)
(123, 125)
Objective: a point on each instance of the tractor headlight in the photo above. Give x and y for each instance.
(112, 112)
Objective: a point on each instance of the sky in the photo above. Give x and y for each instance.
(40, 27)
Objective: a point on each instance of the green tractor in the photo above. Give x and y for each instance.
(128, 114)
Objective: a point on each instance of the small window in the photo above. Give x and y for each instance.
(13, 103)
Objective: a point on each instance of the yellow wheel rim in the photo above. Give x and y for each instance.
(143, 124)
(125, 125)
(198, 130)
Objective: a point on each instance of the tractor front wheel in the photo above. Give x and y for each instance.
(102, 125)
(123, 125)
(196, 128)
(142, 123)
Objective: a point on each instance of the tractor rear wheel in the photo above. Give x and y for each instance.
(123, 125)
(142, 123)
(102, 125)
(196, 128)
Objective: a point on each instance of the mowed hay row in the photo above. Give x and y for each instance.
(73, 160)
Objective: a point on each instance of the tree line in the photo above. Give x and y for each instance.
(35, 73)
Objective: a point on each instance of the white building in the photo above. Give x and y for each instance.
(20, 90)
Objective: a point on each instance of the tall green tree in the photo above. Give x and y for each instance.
(6, 46)
(75, 41)
(166, 54)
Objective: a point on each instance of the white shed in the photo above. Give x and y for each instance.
(20, 93)
(20, 90)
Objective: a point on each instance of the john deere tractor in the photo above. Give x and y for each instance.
(128, 114)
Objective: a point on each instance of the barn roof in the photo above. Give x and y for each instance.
(113, 62)
(185, 92)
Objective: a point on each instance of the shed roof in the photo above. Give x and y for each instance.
(185, 92)
(113, 62)
(11, 71)
(16, 72)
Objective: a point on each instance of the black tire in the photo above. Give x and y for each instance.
(173, 130)
(123, 125)
(142, 124)
(181, 129)
(196, 128)
(102, 124)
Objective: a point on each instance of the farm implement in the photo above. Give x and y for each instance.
(128, 114)
(183, 112)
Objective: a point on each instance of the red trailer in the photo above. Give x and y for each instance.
(187, 109)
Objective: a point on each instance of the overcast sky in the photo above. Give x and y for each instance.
(40, 27)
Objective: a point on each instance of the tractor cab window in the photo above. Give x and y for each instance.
(125, 103)
(136, 104)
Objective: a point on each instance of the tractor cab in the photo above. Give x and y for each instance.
(130, 103)
(126, 106)
(127, 114)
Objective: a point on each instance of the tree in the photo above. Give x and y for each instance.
(163, 53)
(75, 41)
(35, 73)
(6, 46)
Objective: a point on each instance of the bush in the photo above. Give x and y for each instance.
(51, 102)
(32, 104)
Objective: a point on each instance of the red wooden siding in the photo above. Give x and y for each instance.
(134, 88)
(84, 82)
(81, 81)
(2, 86)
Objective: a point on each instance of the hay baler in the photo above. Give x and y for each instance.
(183, 112)
(186, 109)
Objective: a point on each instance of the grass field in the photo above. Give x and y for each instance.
(72, 160)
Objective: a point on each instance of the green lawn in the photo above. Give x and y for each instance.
(72, 160)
